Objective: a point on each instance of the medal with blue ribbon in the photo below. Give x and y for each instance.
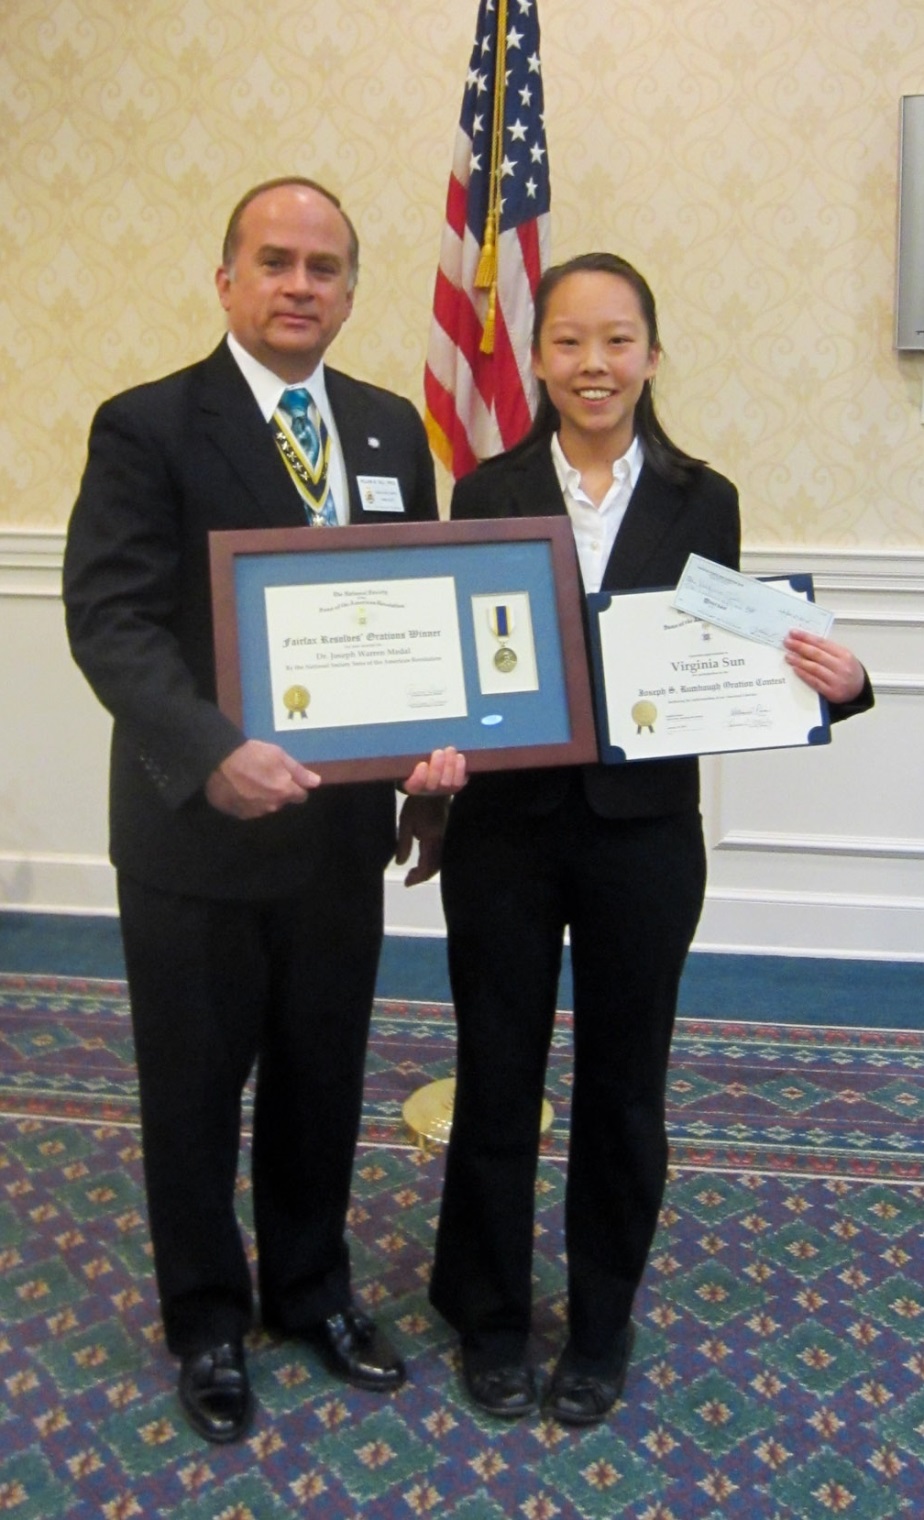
(500, 619)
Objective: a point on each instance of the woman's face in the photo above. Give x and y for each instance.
(595, 355)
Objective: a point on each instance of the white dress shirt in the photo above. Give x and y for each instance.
(595, 528)
(267, 390)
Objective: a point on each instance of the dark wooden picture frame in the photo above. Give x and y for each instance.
(551, 725)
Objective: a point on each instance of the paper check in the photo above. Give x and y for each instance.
(760, 610)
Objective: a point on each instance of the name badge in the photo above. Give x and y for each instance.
(380, 493)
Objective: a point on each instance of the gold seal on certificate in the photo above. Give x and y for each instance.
(500, 619)
(295, 700)
(644, 715)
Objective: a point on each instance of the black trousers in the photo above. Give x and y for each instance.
(631, 892)
(216, 987)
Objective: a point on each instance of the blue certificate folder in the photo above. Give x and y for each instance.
(643, 730)
(552, 724)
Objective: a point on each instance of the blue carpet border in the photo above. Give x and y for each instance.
(779, 989)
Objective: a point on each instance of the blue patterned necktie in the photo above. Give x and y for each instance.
(304, 443)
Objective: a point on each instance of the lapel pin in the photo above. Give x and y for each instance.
(374, 443)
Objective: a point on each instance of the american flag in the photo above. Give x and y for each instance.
(478, 386)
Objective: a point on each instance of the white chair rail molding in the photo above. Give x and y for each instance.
(811, 852)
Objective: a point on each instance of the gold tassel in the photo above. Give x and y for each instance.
(486, 273)
(487, 337)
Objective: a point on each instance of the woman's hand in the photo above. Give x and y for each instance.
(830, 669)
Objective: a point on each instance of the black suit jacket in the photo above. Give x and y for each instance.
(663, 524)
(168, 462)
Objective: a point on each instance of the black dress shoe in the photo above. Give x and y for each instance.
(508, 1392)
(354, 1348)
(215, 1393)
(578, 1395)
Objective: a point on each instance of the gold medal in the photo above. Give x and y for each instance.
(296, 700)
(500, 619)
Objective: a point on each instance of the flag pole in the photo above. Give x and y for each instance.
(486, 274)
(480, 397)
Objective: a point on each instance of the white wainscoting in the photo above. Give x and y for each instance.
(811, 852)
(54, 750)
(821, 851)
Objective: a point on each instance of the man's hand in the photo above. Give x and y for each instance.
(828, 668)
(423, 816)
(256, 779)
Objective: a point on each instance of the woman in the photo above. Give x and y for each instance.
(615, 853)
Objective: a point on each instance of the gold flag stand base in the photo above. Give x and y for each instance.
(428, 1112)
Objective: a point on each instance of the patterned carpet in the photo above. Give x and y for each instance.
(779, 1366)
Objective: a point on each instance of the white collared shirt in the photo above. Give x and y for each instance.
(267, 391)
(594, 527)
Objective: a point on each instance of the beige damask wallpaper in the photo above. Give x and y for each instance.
(743, 155)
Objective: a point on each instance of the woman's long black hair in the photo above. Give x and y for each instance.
(660, 451)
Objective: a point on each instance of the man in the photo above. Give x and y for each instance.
(251, 901)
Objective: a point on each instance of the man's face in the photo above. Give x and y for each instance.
(288, 291)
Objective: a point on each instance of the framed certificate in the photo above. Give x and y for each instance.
(669, 683)
(362, 649)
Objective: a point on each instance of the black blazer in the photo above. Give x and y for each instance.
(168, 462)
(662, 525)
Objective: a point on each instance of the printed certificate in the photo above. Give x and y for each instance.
(364, 652)
(669, 684)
